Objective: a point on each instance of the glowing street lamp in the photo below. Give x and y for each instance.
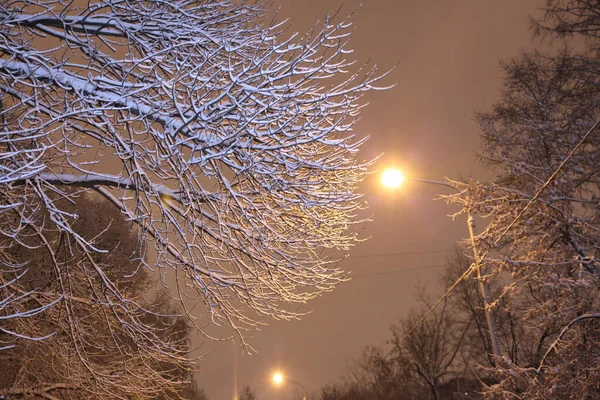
(393, 178)
(278, 379)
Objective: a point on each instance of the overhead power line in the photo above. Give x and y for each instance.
(550, 179)
(396, 271)
(404, 253)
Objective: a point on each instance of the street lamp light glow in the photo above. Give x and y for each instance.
(278, 378)
(392, 178)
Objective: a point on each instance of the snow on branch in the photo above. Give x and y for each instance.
(228, 142)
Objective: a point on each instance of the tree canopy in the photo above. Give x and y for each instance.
(226, 140)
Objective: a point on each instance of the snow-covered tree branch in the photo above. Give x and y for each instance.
(227, 141)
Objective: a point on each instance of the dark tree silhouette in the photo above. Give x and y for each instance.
(93, 346)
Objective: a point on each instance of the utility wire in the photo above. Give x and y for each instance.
(395, 271)
(419, 322)
(471, 268)
(550, 179)
(406, 253)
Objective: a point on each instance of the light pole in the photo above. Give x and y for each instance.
(279, 378)
(394, 178)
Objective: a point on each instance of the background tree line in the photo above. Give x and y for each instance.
(444, 356)
(87, 345)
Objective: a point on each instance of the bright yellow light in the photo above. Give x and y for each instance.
(278, 378)
(392, 178)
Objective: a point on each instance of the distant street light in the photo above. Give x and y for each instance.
(279, 378)
(393, 178)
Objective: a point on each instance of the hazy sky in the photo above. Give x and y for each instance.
(449, 53)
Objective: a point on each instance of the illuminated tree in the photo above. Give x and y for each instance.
(227, 143)
(543, 213)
